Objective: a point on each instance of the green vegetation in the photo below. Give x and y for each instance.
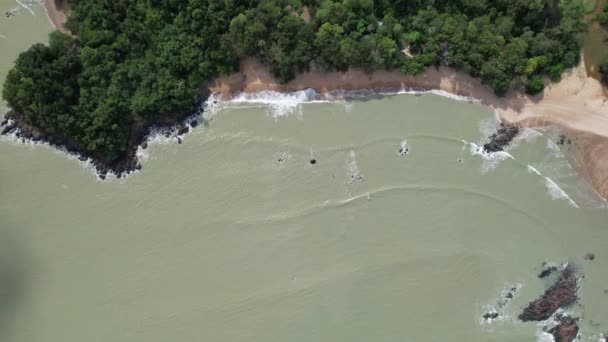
(590, 6)
(602, 17)
(141, 60)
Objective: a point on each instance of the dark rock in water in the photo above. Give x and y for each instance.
(313, 161)
(404, 151)
(490, 316)
(4, 122)
(560, 294)
(82, 158)
(182, 129)
(167, 133)
(194, 123)
(566, 330)
(502, 138)
(6, 130)
(589, 256)
(179, 140)
(144, 145)
(138, 167)
(507, 296)
(547, 271)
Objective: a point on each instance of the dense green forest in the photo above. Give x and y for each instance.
(139, 60)
(603, 15)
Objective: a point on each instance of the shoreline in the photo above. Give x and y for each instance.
(57, 13)
(577, 105)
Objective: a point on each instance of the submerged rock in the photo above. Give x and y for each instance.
(560, 294)
(589, 256)
(566, 330)
(507, 296)
(547, 271)
(502, 138)
(490, 316)
(182, 129)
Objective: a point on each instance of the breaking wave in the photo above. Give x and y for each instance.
(554, 190)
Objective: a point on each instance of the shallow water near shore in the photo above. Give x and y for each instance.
(234, 236)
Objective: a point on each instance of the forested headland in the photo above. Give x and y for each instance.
(131, 63)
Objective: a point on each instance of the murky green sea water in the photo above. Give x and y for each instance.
(234, 236)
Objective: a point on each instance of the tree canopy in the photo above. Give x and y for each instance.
(145, 59)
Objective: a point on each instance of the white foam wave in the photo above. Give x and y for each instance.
(354, 174)
(558, 193)
(404, 148)
(491, 160)
(554, 148)
(443, 93)
(543, 336)
(279, 104)
(528, 134)
(210, 107)
(26, 7)
(532, 169)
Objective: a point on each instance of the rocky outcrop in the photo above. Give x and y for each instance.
(559, 295)
(566, 330)
(126, 161)
(502, 138)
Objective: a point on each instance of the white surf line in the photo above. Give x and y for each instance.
(26, 7)
(555, 191)
(48, 16)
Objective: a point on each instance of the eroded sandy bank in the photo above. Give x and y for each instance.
(57, 11)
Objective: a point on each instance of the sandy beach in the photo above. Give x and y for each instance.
(57, 11)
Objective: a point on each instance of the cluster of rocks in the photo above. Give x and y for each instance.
(563, 140)
(502, 138)
(177, 131)
(565, 330)
(562, 293)
(503, 301)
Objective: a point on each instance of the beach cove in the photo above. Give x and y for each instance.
(341, 206)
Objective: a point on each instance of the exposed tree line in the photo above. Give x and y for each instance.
(144, 59)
